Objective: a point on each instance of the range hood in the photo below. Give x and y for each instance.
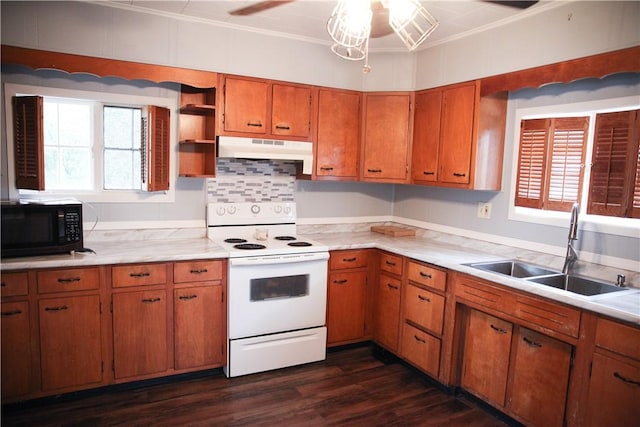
(272, 149)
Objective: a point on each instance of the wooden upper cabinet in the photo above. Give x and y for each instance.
(291, 110)
(338, 140)
(458, 137)
(245, 105)
(426, 136)
(386, 131)
(266, 109)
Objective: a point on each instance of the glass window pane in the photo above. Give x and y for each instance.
(75, 171)
(121, 171)
(74, 125)
(50, 121)
(51, 175)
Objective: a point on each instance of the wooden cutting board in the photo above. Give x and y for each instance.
(392, 230)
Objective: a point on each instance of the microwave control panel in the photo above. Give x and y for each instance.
(70, 225)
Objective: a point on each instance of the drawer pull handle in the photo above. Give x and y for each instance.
(392, 286)
(202, 270)
(68, 280)
(531, 342)
(426, 275)
(11, 313)
(391, 263)
(417, 338)
(626, 380)
(187, 297)
(428, 173)
(58, 308)
(283, 127)
(349, 259)
(150, 300)
(139, 275)
(459, 174)
(424, 299)
(326, 168)
(499, 330)
(374, 170)
(340, 282)
(258, 125)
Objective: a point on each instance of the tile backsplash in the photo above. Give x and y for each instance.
(245, 180)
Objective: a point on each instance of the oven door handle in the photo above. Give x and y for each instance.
(279, 259)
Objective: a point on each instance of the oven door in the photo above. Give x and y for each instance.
(273, 294)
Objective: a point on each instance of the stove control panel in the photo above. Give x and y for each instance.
(246, 213)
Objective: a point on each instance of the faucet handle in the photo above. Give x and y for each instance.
(620, 280)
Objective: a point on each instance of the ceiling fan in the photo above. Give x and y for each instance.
(380, 18)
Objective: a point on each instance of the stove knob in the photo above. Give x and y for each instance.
(231, 210)
(255, 209)
(220, 211)
(277, 209)
(287, 210)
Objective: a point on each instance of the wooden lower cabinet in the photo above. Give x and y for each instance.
(198, 320)
(485, 365)
(70, 341)
(421, 349)
(539, 378)
(614, 391)
(140, 344)
(346, 308)
(387, 314)
(16, 349)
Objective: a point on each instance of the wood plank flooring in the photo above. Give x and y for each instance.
(351, 387)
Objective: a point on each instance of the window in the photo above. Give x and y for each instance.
(551, 163)
(98, 147)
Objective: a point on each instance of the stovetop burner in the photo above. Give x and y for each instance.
(285, 238)
(249, 246)
(235, 240)
(299, 244)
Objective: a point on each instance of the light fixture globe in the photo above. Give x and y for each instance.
(350, 22)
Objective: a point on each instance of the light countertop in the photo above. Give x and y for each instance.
(442, 250)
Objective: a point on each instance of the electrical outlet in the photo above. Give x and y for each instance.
(484, 210)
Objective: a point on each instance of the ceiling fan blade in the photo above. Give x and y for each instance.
(379, 20)
(515, 3)
(258, 7)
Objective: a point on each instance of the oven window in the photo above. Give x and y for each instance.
(279, 287)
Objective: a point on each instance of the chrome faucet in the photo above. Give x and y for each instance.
(571, 255)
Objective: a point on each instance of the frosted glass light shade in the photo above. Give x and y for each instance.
(350, 22)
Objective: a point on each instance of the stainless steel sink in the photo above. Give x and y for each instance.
(577, 284)
(513, 268)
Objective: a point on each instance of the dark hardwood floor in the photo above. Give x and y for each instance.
(351, 387)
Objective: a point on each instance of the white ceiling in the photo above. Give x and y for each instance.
(307, 19)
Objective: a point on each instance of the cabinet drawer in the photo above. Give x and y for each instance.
(424, 308)
(421, 349)
(427, 275)
(480, 293)
(391, 263)
(138, 275)
(618, 337)
(72, 279)
(348, 259)
(14, 284)
(548, 315)
(197, 271)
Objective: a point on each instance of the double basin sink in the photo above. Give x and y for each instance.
(533, 273)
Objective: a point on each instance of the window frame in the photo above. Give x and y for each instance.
(102, 98)
(629, 227)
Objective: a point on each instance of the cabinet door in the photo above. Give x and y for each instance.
(456, 134)
(386, 137)
(388, 312)
(245, 106)
(426, 136)
(614, 392)
(139, 333)
(338, 140)
(70, 341)
(291, 111)
(346, 309)
(198, 326)
(16, 349)
(485, 363)
(540, 379)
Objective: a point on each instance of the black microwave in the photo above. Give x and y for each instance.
(43, 228)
